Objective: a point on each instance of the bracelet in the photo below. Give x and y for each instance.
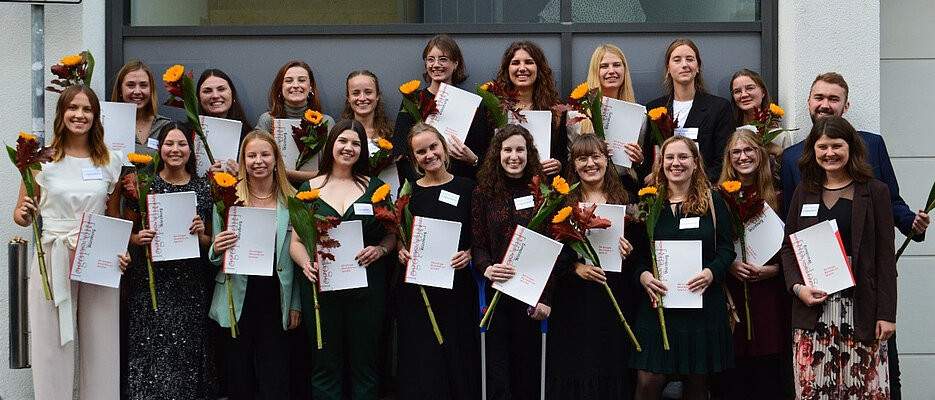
(385, 250)
(798, 289)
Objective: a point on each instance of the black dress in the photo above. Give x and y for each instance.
(427, 370)
(170, 356)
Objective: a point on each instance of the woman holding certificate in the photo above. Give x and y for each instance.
(292, 93)
(265, 305)
(444, 64)
(169, 353)
(218, 98)
(525, 69)
(762, 368)
(593, 368)
(500, 202)
(351, 319)
(135, 84)
(427, 370)
(81, 178)
(702, 117)
(748, 92)
(694, 248)
(853, 324)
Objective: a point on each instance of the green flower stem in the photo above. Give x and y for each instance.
(485, 322)
(662, 317)
(428, 307)
(230, 306)
(149, 259)
(42, 271)
(746, 289)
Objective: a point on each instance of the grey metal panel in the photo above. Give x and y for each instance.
(721, 54)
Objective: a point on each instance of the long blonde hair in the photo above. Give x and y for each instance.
(763, 176)
(697, 201)
(280, 183)
(594, 77)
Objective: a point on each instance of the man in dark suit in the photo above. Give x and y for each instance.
(827, 97)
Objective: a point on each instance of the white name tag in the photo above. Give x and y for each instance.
(92, 174)
(689, 223)
(448, 197)
(152, 143)
(363, 209)
(809, 210)
(691, 133)
(524, 202)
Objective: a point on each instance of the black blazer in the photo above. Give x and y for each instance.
(715, 122)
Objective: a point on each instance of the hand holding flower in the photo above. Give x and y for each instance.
(653, 286)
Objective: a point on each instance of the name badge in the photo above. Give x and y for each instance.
(152, 143)
(809, 210)
(92, 174)
(363, 209)
(524, 202)
(689, 223)
(449, 198)
(691, 133)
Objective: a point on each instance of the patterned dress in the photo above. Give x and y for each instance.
(169, 354)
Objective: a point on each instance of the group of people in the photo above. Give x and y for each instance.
(808, 344)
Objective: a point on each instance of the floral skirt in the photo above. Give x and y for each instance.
(831, 364)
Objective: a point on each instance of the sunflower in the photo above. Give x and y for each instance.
(776, 110)
(731, 186)
(486, 86)
(380, 194)
(409, 87)
(224, 180)
(70, 61)
(137, 158)
(648, 190)
(27, 136)
(580, 91)
(313, 116)
(657, 113)
(560, 185)
(173, 74)
(562, 215)
(307, 195)
(384, 144)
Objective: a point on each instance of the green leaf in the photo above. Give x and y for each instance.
(406, 188)
(191, 101)
(597, 117)
(303, 224)
(930, 204)
(12, 152)
(655, 210)
(87, 76)
(492, 104)
(412, 108)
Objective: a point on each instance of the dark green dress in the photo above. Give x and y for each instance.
(351, 320)
(700, 340)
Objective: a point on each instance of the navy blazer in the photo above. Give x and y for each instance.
(715, 122)
(877, 157)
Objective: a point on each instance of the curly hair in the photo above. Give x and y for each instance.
(491, 177)
(585, 146)
(763, 176)
(697, 201)
(381, 122)
(544, 95)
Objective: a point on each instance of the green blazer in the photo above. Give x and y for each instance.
(288, 292)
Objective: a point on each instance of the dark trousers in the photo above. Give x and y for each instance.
(767, 377)
(514, 347)
(893, 355)
(258, 359)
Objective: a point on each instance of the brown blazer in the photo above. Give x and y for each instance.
(873, 261)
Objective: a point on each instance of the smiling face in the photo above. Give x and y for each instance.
(744, 158)
(215, 96)
(259, 159)
(136, 89)
(513, 153)
(522, 69)
(747, 94)
(611, 72)
(831, 154)
(79, 115)
(827, 99)
(591, 168)
(362, 95)
(439, 66)
(296, 86)
(175, 150)
(346, 149)
(429, 151)
(678, 164)
(683, 65)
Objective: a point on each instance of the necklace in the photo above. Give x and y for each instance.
(262, 197)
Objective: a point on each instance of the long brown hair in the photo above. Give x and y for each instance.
(381, 122)
(585, 146)
(116, 95)
(699, 81)
(757, 80)
(235, 112)
(544, 95)
(813, 176)
(491, 178)
(281, 184)
(450, 49)
(277, 107)
(763, 176)
(100, 155)
(697, 201)
(361, 167)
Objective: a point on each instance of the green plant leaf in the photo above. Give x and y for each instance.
(597, 116)
(492, 104)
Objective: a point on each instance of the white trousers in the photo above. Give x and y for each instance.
(96, 317)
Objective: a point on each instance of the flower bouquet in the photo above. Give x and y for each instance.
(764, 120)
(573, 231)
(588, 103)
(742, 209)
(651, 200)
(183, 94)
(546, 199)
(224, 193)
(419, 108)
(28, 156)
(381, 159)
(662, 124)
(144, 180)
(500, 102)
(310, 136)
(313, 229)
(72, 70)
(929, 205)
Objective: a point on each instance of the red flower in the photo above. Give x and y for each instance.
(29, 152)
(565, 230)
(803, 354)
(427, 105)
(535, 189)
(325, 241)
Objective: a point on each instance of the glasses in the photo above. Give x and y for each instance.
(593, 157)
(748, 151)
(441, 60)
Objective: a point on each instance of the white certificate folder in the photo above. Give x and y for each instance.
(822, 261)
(622, 124)
(100, 239)
(170, 215)
(533, 256)
(606, 242)
(456, 108)
(223, 137)
(679, 261)
(253, 252)
(343, 272)
(434, 242)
